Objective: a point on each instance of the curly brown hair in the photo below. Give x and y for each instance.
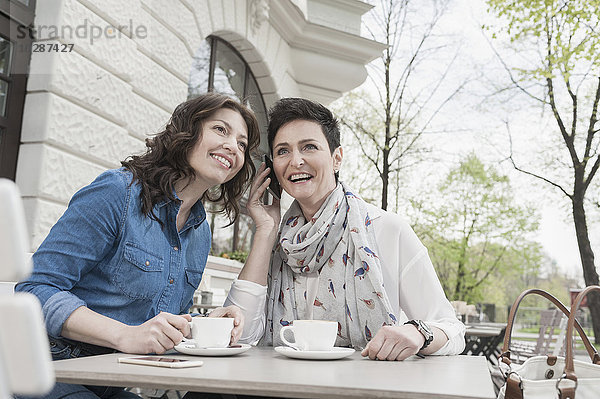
(166, 159)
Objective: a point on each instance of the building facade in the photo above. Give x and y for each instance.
(106, 74)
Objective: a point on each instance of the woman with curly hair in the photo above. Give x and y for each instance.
(118, 271)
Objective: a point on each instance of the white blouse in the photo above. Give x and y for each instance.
(410, 282)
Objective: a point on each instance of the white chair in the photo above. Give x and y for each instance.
(25, 362)
(7, 287)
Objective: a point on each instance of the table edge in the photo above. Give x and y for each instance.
(255, 388)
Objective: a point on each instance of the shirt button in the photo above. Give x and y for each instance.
(147, 263)
(176, 249)
(171, 281)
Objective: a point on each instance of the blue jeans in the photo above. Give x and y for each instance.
(62, 390)
(67, 349)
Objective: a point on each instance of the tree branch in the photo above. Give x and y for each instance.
(592, 173)
(531, 173)
(490, 270)
(510, 74)
(568, 139)
(574, 105)
(591, 132)
(364, 151)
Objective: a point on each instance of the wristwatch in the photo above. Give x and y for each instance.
(423, 329)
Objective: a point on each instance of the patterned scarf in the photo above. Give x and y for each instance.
(339, 243)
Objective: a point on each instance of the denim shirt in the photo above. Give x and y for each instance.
(105, 254)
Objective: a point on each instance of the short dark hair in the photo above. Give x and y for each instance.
(293, 108)
(166, 159)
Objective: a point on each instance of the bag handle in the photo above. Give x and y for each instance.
(505, 353)
(569, 366)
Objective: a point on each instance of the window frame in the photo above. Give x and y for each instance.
(248, 75)
(16, 14)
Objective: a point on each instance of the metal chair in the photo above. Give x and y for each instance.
(489, 347)
(547, 341)
(486, 346)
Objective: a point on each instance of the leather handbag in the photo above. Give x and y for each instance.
(548, 377)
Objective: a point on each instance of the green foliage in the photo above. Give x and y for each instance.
(567, 32)
(476, 234)
(240, 256)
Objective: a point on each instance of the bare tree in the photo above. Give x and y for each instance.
(563, 78)
(389, 127)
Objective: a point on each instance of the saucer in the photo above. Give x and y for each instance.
(189, 348)
(335, 353)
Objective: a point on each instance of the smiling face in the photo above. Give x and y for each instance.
(303, 163)
(218, 155)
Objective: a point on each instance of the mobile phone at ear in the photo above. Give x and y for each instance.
(162, 361)
(274, 187)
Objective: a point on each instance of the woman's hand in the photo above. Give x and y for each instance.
(394, 343)
(238, 320)
(157, 335)
(265, 217)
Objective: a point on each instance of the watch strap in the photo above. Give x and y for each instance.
(425, 330)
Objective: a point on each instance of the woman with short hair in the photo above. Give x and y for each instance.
(334, 256)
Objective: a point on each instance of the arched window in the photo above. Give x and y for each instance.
(220, 68)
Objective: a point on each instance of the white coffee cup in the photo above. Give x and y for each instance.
(211, 332)
(311, 335)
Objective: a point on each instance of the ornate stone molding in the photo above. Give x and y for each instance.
(259, 13)
(289, 21)
(324, 61)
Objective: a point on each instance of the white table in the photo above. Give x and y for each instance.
(262, 371)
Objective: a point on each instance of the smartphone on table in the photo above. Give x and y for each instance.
(274, 187)
(162, 361)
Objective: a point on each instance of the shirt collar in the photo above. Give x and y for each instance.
(197, 213)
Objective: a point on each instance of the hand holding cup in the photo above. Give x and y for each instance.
(211, 332)
(236, 314)
(222, 327)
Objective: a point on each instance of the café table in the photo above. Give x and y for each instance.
(263, 372)
(484, 340)
(482, 331)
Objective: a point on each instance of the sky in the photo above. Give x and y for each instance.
(482, 125)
